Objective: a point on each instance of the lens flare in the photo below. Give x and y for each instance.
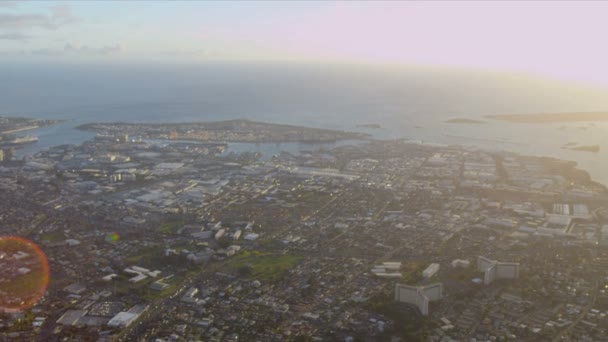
(114, 237)
(24, 273)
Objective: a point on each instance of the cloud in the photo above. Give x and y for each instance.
(62, 14)
(59, 16)
(183, 52)
(46, 52)
(85, 50)
(14, 36)
(8, 4)
(25, 21)
(80, 50)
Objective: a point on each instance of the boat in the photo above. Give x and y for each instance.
(27, 139)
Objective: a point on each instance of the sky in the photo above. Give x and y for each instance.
(563, 40)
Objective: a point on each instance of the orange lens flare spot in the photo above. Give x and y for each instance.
(24, 273)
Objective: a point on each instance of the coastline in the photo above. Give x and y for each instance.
(236, 131)
(68, 133)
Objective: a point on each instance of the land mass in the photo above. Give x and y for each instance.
(200, 245)
(9, 125)
(584, 148)
(551, 117)
(228, 131)
(464, 121)
(373, 125)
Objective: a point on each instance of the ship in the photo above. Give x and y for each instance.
(27, 139)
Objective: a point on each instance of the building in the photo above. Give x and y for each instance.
(71, 317)
(420, 296)
(189, 296)
(604, 236)
(494, 270)
(251, 236)
(125, 318)
(387, 270)
(462, 263)
(122, 319)
(220, 233)
(75, 289)
(430, 271)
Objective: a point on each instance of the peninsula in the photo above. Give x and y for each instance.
(9, 125)
(227, 131)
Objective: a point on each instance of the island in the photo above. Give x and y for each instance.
(464, 121)
(551, 117)
(239, 130)
(584, 148)
(372, 125)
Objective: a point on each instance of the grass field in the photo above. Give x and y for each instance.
(171, 227)
(264, 266)
(412, 272)
(52, 236)
(149, 256)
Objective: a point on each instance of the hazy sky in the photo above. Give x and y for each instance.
(558, 39)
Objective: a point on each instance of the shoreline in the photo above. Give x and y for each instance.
(33, 123)
(475, 143)
(239, 130)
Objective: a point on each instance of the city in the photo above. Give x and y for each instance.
(178, 241)
(298, 171)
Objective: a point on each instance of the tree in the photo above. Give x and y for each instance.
(224, 242)
(244, 271)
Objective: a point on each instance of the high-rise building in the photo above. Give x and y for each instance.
(420, 296)
(493, 269)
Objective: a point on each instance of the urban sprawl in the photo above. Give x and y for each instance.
(375, 241)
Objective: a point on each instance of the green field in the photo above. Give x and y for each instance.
(171, 227)
(52, 236)
(150, 256)
(264, 266)
(412, 272)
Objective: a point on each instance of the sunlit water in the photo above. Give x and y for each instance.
(407, 103)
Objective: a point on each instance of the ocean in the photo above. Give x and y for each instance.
(407, 102)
